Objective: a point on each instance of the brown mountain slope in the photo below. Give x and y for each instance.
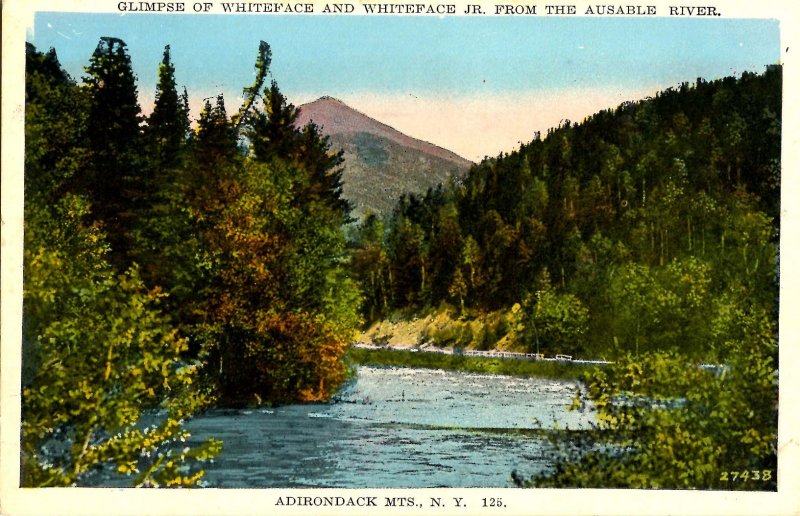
(381, 163)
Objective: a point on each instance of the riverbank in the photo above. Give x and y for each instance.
(521, 368)
(445, 327)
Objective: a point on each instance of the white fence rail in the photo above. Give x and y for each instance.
(486, 354)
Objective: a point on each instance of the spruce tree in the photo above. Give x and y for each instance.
(216, 139)
(272, 131)
(168, 125)
(324, 167)
(116, 180)
(162, 238)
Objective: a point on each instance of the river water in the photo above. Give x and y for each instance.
(395, 427)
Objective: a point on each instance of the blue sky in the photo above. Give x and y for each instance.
(381, 64)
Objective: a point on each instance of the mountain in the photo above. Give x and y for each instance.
(381, 163)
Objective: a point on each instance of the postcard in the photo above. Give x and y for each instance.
(399, 258)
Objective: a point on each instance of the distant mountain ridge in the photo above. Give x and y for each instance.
(381, 163)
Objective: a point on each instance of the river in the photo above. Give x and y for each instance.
(395, 427)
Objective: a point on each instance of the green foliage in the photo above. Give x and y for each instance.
(458, 288)
(325, 172)
(99, 355)
(163, 238)
(369, 265)
(408, 264)
(56, 118)
(263, 60)
(667, 423)
(274, 306)
(555, 323)
(168, 125)
(273, 133)
(116, 180)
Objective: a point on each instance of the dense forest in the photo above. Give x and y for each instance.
(168, 267)
(172, 266)
(630, 231)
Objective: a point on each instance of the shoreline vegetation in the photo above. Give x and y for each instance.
(446, 328)
(443, 337)
(562, 370)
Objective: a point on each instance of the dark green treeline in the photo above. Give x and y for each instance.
(633, 227)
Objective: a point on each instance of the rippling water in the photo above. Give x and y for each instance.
(395, 427)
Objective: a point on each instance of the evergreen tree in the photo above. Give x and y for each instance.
(117, 181)
(163, 241)
(168, 124)
(324, 166)
(216, 139)
(273, 132)
(370, 266)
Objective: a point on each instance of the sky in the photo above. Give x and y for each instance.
(474, 85)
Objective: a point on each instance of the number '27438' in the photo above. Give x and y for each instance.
(763, 475)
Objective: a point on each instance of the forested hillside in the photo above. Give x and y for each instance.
(641, 228)
(170, 267)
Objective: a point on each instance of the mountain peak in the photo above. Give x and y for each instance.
(381, 163)
(335, 117)
(328, 98)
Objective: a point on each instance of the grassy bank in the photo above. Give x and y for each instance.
(524, 368)
(446, 327)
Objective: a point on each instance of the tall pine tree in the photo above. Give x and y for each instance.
(163, 241)
(168, 124)
(116, 181)
(273, 133)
